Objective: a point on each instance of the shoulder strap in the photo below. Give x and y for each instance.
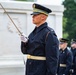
(47, 35)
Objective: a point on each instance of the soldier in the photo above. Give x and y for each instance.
(65, 58)
(42, 47)
(73, 49)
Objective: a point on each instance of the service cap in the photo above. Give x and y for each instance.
(63, 40)
(37, 9)
(73, 41)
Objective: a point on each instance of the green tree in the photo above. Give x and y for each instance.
(69, 23)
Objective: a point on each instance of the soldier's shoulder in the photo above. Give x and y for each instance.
(51, 30)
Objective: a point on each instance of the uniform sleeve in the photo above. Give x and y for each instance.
(24, 47)
(69, 62)
(52, 53)
(75, 59)
(75, 62)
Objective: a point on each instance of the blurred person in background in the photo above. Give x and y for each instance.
(73, 49)
(65, 57)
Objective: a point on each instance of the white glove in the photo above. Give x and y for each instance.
(24, 38)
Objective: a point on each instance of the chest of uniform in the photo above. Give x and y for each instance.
(37, 38)
(63, 55)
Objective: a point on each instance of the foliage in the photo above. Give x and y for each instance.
(69, 21)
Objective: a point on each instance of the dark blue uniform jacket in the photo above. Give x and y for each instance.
(65, 57)
(74, 60)
(39, 45)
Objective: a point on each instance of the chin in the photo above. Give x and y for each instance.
(34, 23)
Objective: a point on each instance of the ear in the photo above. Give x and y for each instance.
(43, 17)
